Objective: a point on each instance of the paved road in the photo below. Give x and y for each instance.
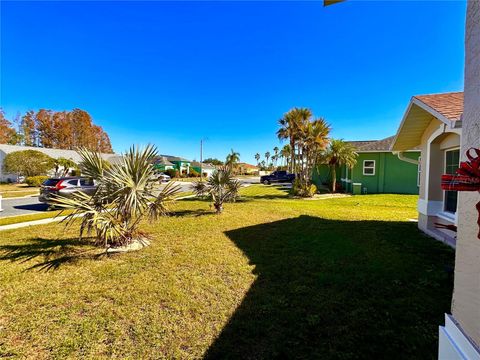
(31, 205)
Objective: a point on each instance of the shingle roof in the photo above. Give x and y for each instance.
(56, 153)
(162, 160)
(374, 145)
(175, 158)
(203, 165)
(450, 105)
(247, 166)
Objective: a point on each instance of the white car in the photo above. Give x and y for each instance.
(164, 178)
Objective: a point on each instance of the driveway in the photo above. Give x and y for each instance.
(22, 206)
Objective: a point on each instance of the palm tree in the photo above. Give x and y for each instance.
(267, 156)
(257, 157)
(221, 187)
(285, 153)
(125, 195)
(291, 128)
(338, 153)
(275, 152)
(232, 159)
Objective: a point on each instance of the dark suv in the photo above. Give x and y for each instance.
(277, 177)
(66, 187)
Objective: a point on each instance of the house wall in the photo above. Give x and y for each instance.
(466, 297)
(392, 175)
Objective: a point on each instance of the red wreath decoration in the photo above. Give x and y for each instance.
(467, 178)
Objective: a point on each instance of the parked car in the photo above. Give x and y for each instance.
(277, 177)
(66, 187)
(164, 178)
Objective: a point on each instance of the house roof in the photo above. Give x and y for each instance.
(175, 158)
(450, 105)
(203, 165)
(446, 108)
(247, 166)
(162, 160)
(377, 145)
(56, 153)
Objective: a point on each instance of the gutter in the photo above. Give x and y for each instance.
(402, 157)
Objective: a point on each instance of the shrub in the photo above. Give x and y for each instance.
(28, 163)
(302, 190)
(35, 180)
(193, 173)
(171, 172)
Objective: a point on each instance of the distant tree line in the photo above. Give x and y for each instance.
(55, 129)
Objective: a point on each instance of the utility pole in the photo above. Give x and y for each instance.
(201, 159)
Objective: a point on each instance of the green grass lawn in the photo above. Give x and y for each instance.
(272, 277)
(17, 190)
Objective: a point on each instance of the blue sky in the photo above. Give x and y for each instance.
(171, 73)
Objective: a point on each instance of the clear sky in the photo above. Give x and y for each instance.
(171, 73)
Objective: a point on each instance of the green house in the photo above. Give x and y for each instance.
(178, 163)
(378, 170)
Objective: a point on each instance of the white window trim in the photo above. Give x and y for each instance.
(445, 212)
(369, 167)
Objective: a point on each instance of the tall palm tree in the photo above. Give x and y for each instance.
(257, 157)
(232, 159)
(338, 153)
(291, 128)
(275, 153)
(267, 156)
(285, 153)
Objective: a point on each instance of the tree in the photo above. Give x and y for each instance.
(221, 187)
(28, 163)
(275, 154)
(28, 129)
(285, 153)
(213, 161)
(126, 194)
(232, 159)
(63, 166)
(257, 157)
(338, 153)
(267, 156)
(8, 135)
(307, 137)
(63, 130)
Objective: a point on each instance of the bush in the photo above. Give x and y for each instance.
(172, 173)
(300, 190)
(27, 163)
(35, 180)
(193, 173)
(76, 172)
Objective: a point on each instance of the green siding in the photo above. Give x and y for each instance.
(392, 175)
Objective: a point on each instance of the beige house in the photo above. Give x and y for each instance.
(433, 124)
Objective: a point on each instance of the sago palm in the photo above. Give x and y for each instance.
(126, 194)
(221, 187)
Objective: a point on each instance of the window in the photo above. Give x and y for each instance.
(73, 182)
(452, 161)
(368, 167)
(86, 182)
(419, 173)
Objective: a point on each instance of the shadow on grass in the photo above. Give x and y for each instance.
(32, 207)
(338, 290)
(195, 213)
(52, 253)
